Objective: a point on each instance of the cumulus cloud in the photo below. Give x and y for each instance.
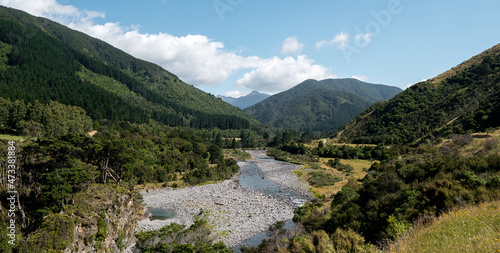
(51, 9)
(362, 78)
(411, 84)
(277, 74)
(196, 59)
(236, 93)
(291, 46)
(340, 41)
(363, 39)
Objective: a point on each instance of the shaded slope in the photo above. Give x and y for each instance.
(47, 61)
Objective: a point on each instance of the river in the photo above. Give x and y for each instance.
(241, 209)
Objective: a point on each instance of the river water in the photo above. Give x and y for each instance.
(252, 177)
(262, 176)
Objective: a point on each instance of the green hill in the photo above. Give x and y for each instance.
(461, 100)
(470, 229)
(41, 60)
(320, 105)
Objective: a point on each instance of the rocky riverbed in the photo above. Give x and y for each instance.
(235, 212)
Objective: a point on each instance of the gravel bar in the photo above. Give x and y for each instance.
(235, 213)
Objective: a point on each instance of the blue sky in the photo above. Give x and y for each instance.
(231, 47)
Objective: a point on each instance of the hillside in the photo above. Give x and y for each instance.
(75, 190)
(245, 101)
(464, 99)
(463, 230)
(42, 60)
(319, 105)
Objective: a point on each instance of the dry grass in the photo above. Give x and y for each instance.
(478, 143)
(357, 173)
(334, 142)
(11, 137)
(471, 229)
(236, 154)
(472, 61)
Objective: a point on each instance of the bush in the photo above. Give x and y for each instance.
(349, 241)
(461, 139)
(55, 234)
(319, 178)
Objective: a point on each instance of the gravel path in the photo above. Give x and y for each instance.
(235, 213)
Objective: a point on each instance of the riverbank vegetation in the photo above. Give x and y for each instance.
(409, 185)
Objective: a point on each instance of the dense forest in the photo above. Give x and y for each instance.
(59, 167)
(42, 66)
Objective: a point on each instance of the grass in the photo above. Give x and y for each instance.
(474, 60)
(477, 144)
(471, 229)
(334, 142)
(11, 137)
(238, 155)
(358, 172)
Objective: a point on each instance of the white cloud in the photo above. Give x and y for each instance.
(340, 41)
(363, 39)
(196, 59)
(362, 78)
(411, 84)
(291, 46)
(277, 74)
(236, 93)
(51, 9)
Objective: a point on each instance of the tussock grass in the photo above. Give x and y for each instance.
(471, 229)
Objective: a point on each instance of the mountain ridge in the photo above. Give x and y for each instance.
(319, 105)
(248, 100)
(37, 47)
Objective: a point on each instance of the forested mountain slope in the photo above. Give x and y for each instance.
(320, 105)
(42, 60)
(464, 99)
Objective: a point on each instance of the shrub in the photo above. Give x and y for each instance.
(55, 234)
(319, 178)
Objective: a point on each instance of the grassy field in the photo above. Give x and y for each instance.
(358, 172)
(471, 229)
(332, 142)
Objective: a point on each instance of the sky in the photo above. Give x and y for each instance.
(232, 47)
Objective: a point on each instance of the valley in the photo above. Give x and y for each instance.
(93, 138)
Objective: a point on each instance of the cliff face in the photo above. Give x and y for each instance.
(105, 219)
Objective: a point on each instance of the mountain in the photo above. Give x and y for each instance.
(43, 61)
(320, 105)
(245, 101)
(462, 100)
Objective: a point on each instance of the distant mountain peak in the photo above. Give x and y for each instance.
(243, 102)
(320, 105)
